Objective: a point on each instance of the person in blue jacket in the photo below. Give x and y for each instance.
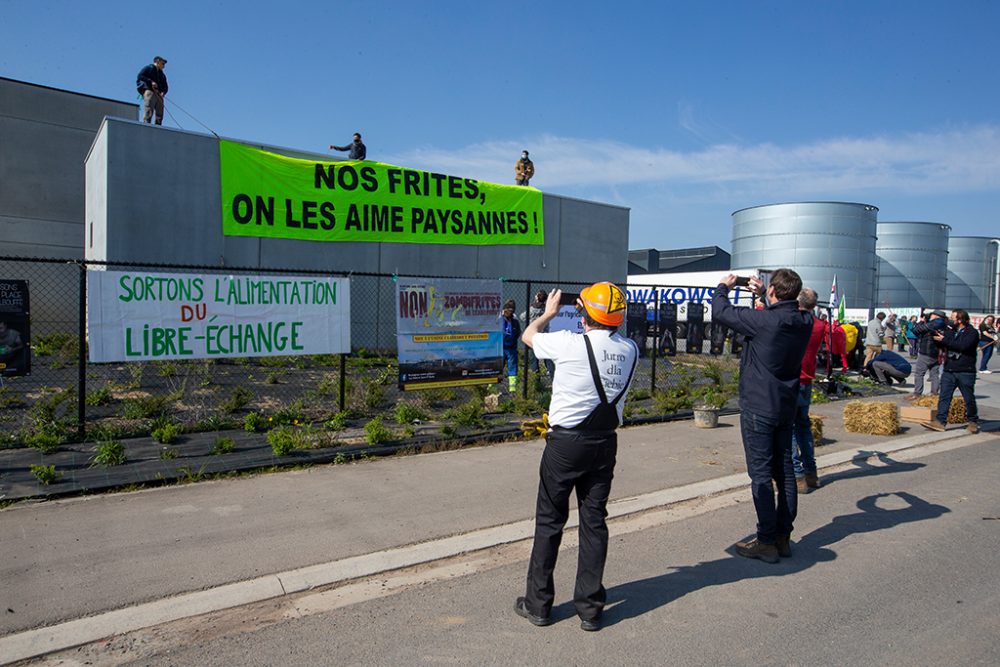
(960, 343)
(511, 334)
(770, 364)
(887, 366)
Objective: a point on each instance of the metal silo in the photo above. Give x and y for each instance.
(912, 264)
(972, 268)
(816, 239)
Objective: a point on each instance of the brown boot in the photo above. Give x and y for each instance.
(783, 543)
(800, 484)
(812, 481)
(973, 427)
(933, 425)
(755, 549)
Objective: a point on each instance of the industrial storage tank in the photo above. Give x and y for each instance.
(817, 239)
(972, 270)
(912, 264)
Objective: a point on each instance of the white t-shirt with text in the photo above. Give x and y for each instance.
(574, 395)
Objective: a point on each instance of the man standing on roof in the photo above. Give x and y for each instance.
(592, 377)
(355, 150)
(524, 169)
(152, 85)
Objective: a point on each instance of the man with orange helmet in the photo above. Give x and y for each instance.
(592, 376)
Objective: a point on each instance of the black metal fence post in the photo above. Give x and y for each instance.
(81, 360)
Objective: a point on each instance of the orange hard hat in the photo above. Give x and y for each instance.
(605, 303)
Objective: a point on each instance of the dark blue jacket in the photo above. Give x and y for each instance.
(894, 360)
(149, 75)
(511, 332)
(961, 347)
(925, 330)
(776, 341)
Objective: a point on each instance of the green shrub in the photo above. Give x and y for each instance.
(57, 342)
(407, 413)
(45, 474)
(282, 440)
(376, 432)
(109, 453)
(254, 423)
(274, 377)
(44, 440)
(292, 414)
(100, 396)
(469, 413)
(167, 434)
(146, 407)
(166, 453)
(240, 397)
(10, 399)
(338, 422)
(224, 446)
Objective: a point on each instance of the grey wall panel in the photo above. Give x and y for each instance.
(972, 264)
(819, 240)
(40, 104)
(912, 264)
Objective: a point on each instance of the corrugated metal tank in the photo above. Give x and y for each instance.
(816, 239)
(912, 264)
(971, 272)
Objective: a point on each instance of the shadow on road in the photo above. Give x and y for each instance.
(638, 597)
(865, 469)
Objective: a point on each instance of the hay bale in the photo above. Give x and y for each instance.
(871, 417)
(816, 425)
(956, 412)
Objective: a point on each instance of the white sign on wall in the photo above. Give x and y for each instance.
(135, 316)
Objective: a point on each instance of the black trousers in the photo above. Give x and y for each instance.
(584, 462)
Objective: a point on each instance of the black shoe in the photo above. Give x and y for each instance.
(521, 609)
(590, 624)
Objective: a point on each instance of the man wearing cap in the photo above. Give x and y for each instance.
(927, 353)
(592, 376)
(524, 169)
(770, 366)
(152, 85)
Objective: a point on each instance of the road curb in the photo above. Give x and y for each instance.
(40, 641)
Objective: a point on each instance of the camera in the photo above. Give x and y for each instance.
(742, 281)
(567, 299)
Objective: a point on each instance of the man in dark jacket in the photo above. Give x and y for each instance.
(355, 150)
(960, 343)
(927, 354)
(776, 340)
(152, 85)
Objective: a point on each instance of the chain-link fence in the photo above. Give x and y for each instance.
(67, 398)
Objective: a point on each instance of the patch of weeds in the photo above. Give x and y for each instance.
(639, 394)
(135, 376)
(376, 432)
(44, 441)
(340, 459)
(240, 397)
(167, 433)
(45, 474)
(10, 399)
(273, 362)
(522, 406)
(273, 377)
(100, 396)
(147, 407)
(166, 369)
(57, 343)
(469, 413)
(186, 475)
(290, 414)
(224, 446)
(109, 453)
(326, 359)
(216, 423)
(338, 422)
(819, 397)
(374, 395)
(254, 422)
(407, 431)
(166, 454)
(328, 386)
(52, 408)
(407, 413)
(283, 440)
(448, 431)
(437, 397)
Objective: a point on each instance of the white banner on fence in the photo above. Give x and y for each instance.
(134, 316)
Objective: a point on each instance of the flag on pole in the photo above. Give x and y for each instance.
(843, 306)
(833, 292)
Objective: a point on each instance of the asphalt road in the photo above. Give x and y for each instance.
(893, 565)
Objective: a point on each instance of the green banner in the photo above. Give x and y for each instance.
(273, 196)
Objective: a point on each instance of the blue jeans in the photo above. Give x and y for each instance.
(768, 448)
(803, 451)
(965, 383)
(510, 358)
(987, 353)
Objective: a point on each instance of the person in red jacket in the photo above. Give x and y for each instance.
(803, 456)
(839, 337)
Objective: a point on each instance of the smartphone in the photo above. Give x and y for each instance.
(568, 299)
(742, 281)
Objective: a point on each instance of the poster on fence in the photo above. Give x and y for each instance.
(448, 332)
(133, 316)
(15, 328)
(274, 196)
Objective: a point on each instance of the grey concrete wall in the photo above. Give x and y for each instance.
(45, 135)
(161, 203)
(153, 195)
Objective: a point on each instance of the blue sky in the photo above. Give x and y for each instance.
(682, 111)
